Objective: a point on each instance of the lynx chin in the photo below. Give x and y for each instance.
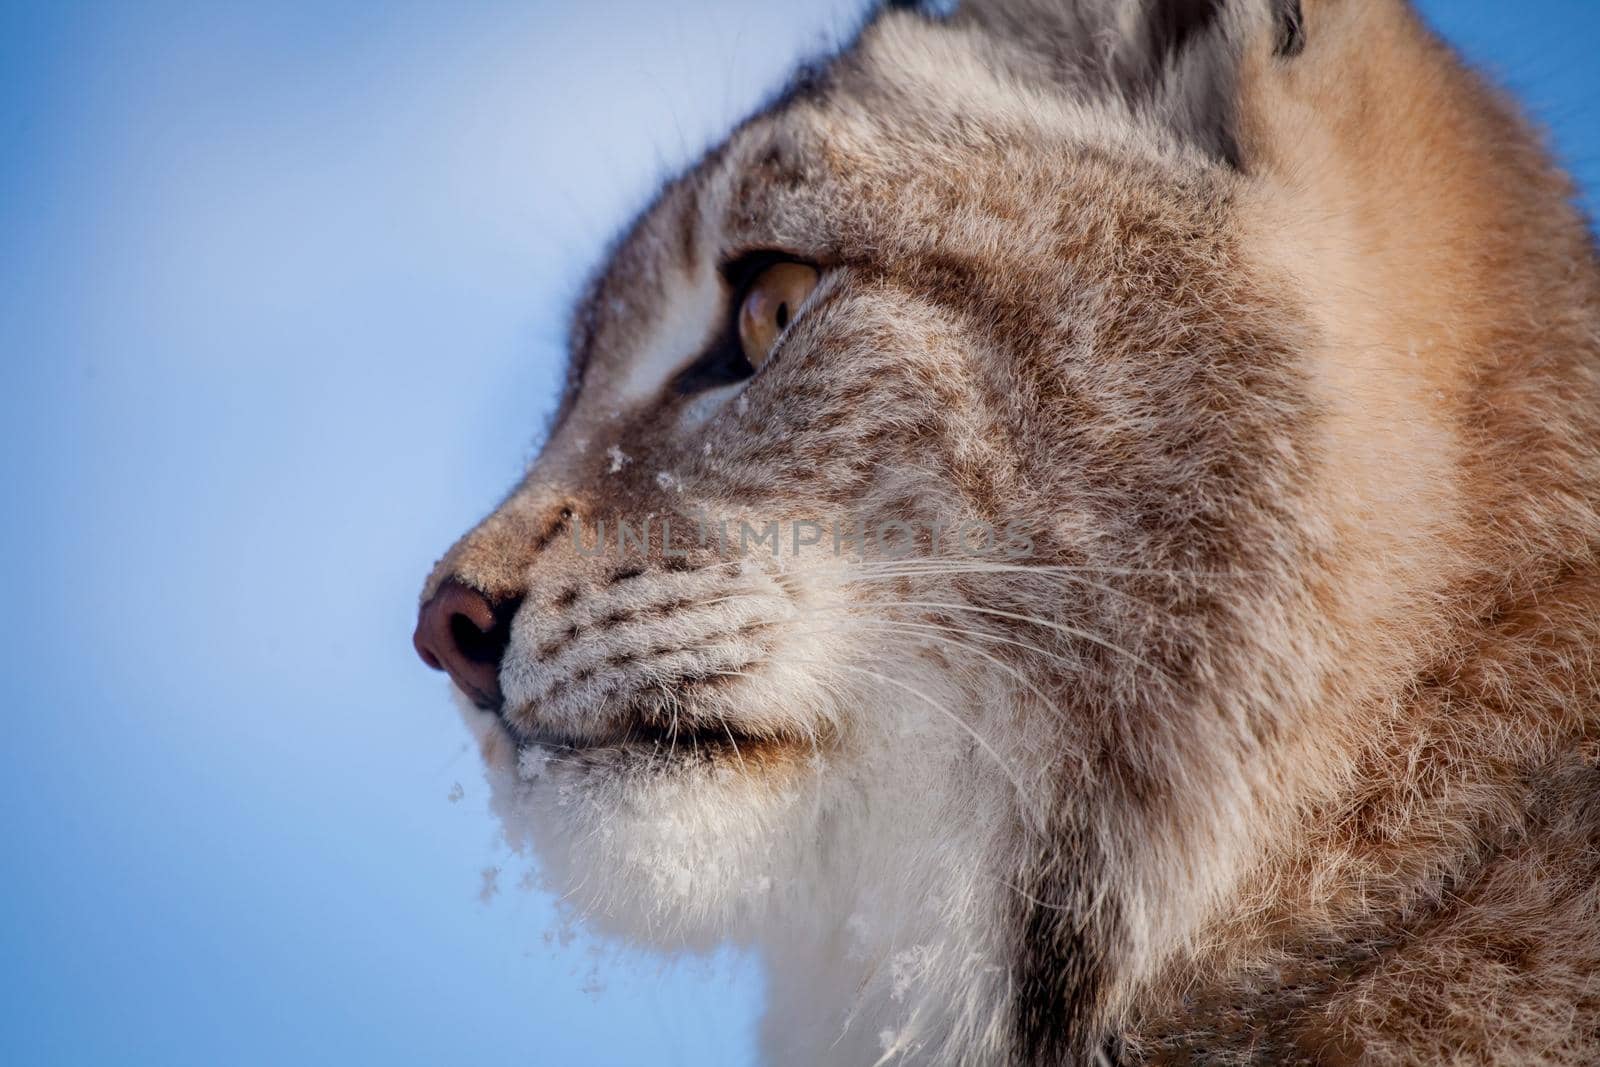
(1274, 333)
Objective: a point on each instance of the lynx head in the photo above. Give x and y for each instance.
(989, 489)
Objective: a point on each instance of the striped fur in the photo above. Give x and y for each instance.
(1275, 333)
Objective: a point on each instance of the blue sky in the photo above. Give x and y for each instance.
(281, 301)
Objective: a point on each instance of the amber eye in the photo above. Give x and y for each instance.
(770, 304)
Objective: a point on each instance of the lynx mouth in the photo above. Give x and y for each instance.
(662, 725)
(687, 735)
(709, 745)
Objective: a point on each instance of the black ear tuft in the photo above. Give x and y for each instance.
(1172, 25)
(1181, 64)
(1174, 60)
(1291, 28)
(935, 9)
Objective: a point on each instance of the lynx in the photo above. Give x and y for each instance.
(1073, 533)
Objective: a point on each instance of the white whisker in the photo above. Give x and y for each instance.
(1010, 773)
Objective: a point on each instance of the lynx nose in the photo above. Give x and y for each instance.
(459, 631)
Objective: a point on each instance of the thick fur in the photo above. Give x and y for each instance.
(1276, 333)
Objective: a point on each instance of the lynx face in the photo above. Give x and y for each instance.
(991, 491)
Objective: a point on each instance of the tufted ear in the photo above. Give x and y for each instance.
(1177, 60)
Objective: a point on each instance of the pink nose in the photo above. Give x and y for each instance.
(459, 631)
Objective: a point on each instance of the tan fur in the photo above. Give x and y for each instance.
(1439, 903)
(1285, 745)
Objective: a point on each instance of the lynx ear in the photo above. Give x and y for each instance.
(1175, 59)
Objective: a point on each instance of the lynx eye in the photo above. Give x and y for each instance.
(770, 304)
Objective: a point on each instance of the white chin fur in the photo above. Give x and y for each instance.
(666, 855)
(873, 897)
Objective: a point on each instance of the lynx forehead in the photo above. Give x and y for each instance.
(1074, 531)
